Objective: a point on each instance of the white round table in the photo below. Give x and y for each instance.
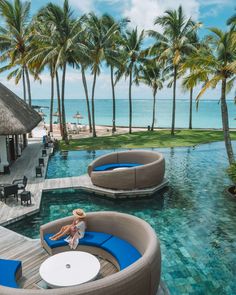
(69, 269)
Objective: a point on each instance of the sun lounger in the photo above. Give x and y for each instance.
(10, 272)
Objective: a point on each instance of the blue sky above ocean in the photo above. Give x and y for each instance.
(141, 13)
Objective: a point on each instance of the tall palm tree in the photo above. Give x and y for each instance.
(97, 43)
(115, 46)
(151, 75)
(15, 38)
(175, 43)
(64, 34)
(232, 21)
(218, 62)
(133, 56)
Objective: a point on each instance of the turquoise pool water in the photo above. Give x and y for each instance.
(195, 220)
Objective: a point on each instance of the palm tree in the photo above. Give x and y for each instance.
(61, 51)
(115, 46)
(151, 75)
(175, 44)
(97, 44)
(232, 21)
(133, 57)
(15, 39)
(217, 61)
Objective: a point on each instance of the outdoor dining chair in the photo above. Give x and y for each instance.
(21, 183)
(9, 190)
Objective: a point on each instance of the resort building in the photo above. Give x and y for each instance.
(16, 120)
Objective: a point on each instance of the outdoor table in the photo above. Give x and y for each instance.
(69, 268)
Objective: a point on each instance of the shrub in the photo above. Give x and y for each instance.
(232, 172)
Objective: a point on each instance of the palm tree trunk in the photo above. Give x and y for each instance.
(113, 102)
(93, 108)
(28, 86)
(24, 86)
(130, 99)
(51, 104)
(154, 110)
(59, 103)
(64, 130)
(87, 98)
(174, 102)
(225, 123)
(191, 109)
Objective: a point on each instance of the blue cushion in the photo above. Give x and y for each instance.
(115, 165)
(57, 243)
(8, 269)
(94, 238)
(123, 251)
(90, 238)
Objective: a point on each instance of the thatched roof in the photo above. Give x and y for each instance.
(16, 117)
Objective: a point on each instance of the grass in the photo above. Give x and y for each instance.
(146, 139)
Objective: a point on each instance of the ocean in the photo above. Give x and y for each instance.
(208, 114)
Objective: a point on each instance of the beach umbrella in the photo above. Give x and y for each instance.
(78, 116)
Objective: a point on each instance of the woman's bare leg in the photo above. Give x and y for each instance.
(63, 231)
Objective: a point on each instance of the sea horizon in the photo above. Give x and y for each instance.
(207, 116)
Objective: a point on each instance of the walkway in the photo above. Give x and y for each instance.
(25, 165)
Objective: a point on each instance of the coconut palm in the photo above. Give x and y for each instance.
(151, 75)
(218, 63)
(115, 46)
(232, 21)
(175, 44)
(97, 44)
(61, 51)
(133, 56)
(15, 39)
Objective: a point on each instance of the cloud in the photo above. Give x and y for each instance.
(142, 13)
(84, 6)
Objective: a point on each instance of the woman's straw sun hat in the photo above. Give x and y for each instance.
(79, 213)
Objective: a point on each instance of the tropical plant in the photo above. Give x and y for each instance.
(98, 50)
(232, 21)
(15, 40)
(216, 64)
(133, 56)
(175, 43)
(151, 75)
(64, 32)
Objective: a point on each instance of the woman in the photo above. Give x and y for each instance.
(75, 230)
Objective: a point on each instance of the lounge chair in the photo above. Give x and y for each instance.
(9, 190)
(21, 183)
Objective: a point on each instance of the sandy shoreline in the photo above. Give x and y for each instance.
(102, 130)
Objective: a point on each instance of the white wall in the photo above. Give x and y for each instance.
(3, 153)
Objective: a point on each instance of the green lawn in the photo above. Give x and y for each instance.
(145, 139)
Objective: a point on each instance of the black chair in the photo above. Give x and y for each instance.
(38, 171)
(41, 162)
(25, 197)
(21, 183)
(44, 153)
(9, 190)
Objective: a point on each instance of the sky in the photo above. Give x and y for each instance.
(141, 13)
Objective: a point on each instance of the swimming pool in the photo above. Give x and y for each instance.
(195, 220)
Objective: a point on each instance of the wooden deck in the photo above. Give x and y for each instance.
(25, 165)
(30, 252)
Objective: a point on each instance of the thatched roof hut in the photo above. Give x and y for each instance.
(16, 117)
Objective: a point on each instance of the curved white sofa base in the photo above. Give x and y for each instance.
(149, 174)
(140, 278)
